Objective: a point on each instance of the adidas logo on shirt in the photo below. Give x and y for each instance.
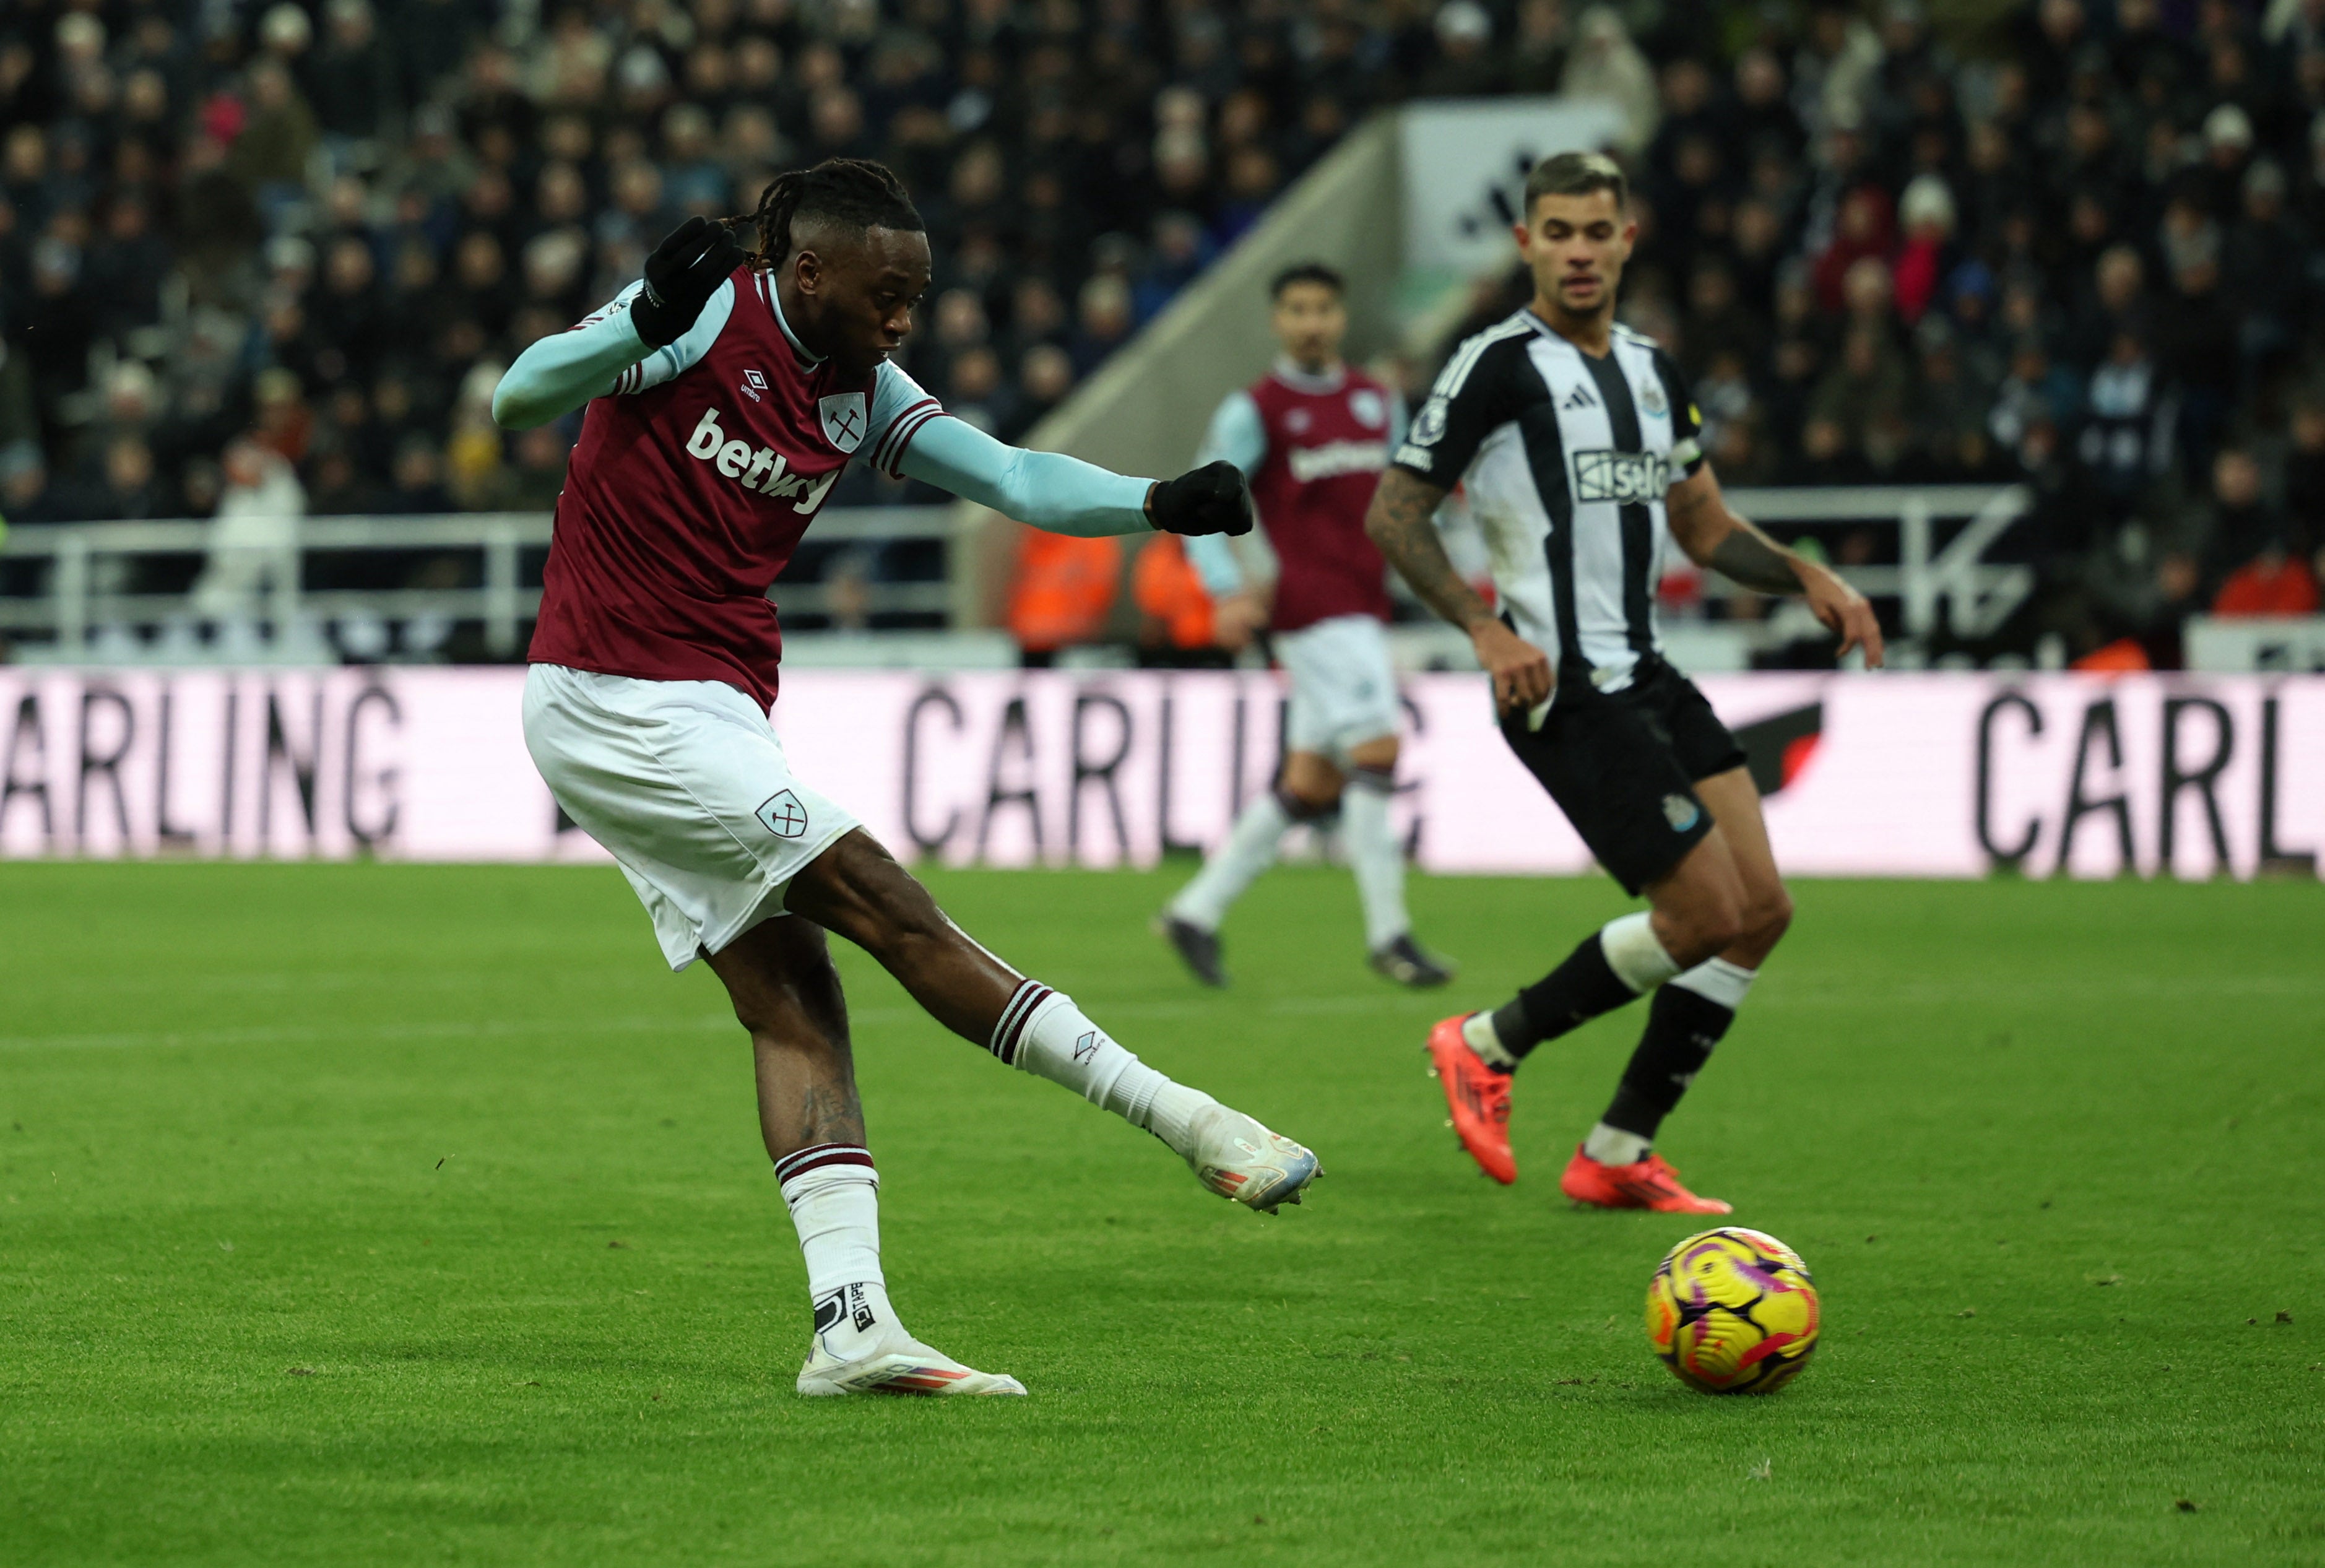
(1580, 398)
(735, 461)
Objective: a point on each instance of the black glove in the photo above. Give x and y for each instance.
(684, 271)
(1212, 499)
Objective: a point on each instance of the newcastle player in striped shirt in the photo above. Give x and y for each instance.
(1577, 442)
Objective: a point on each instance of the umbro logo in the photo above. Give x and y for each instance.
(753, 385)
(1580, 398)
(1086, 1048)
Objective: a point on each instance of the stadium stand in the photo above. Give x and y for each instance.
(273, 257)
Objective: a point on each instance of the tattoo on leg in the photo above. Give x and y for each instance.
(832, 1114)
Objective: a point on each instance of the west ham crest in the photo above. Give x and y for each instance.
(845, 420)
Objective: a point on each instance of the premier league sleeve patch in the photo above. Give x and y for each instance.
(844, 419)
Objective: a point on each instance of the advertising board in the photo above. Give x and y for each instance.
(1939, 775)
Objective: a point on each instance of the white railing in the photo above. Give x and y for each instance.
(1978, 596)
(74, 605)
(1933, 584)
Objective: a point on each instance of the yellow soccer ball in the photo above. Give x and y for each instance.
(1733, 1311)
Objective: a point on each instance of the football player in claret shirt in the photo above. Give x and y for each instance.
(726, 392)
(1313, 434)
(1579, 449)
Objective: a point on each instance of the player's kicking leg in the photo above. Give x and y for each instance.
(788, 996)
(786, 993)
(1713, 918)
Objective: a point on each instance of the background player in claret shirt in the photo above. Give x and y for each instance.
(1578, 444)
(726, 392)
(1313, 435)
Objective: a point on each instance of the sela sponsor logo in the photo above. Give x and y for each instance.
(1629, 478)
(765, 471)
(1334, 458)
(753, 385)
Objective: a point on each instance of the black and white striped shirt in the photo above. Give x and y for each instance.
(1566, 458)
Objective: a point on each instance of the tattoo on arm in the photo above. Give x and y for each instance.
(1749, 557)
(1400, 522)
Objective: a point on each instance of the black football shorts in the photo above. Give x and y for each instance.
(1622, 765)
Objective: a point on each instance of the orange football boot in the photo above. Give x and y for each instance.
(1648, 1184)
(1478, 1096)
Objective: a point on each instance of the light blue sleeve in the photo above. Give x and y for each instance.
(1050, 491)
(1214, 561)
(600, 356)
(1397, 419)
(899, 409)
(1238, 434)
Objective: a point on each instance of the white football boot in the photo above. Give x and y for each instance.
(1237, 1158)
(859, 1348)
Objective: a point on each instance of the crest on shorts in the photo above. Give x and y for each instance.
(843, 419)
(1678, 811)
(1371, 410)
(783, 816)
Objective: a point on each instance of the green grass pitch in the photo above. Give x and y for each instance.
(368, 1214)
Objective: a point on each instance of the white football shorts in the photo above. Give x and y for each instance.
(1343, 686)
(684, 782)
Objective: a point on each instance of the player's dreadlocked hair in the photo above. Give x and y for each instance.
(854, 191)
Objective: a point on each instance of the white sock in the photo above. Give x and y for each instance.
(834, 1195)
(1248, 850)
(1634, 953)
(1375, 856)
(1478, 1032)
(1718, 980)
(1042, 1031)
(1611, 1145)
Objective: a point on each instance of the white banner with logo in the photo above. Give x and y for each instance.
(1903, 774)
(1466, 164)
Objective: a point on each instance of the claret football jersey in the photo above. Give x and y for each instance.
(1314, 446)
(690, 488)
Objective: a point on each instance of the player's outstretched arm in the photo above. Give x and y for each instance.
(1063, 495)
(1403, 523)
(561, 372)
(1715, 536)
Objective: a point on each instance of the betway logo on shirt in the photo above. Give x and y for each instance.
(1334, 458)
(1631, 478)
(765, 471)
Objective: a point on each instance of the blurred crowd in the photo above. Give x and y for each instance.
(274, 255)
(2086, 259)
(321, 229)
